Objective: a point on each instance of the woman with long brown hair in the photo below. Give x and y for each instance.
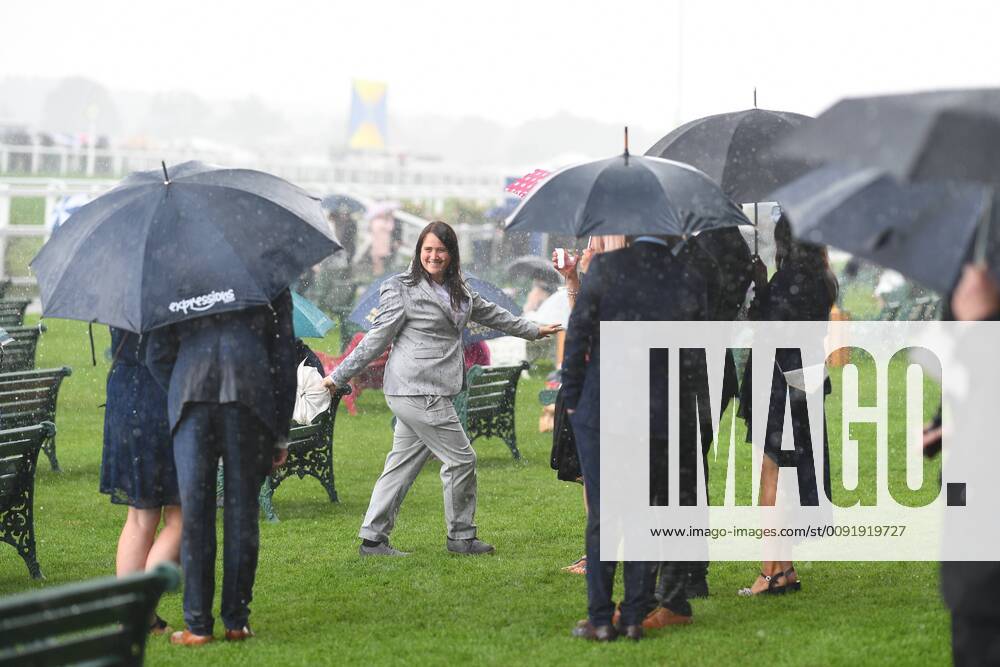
(422, 313)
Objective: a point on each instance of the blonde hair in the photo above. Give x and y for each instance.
(607, 243)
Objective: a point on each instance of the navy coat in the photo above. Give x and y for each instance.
(247, 357)
(644, 282)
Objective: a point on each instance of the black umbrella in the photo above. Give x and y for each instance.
(343, 205)
(923, 230)
(733, 149)
(940, 135)
(534, 267)
(159, 248)
(628, 195)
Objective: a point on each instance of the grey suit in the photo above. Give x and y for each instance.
(425, 370)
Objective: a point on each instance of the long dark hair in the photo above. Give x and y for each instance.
(789, 252)
(453, 280)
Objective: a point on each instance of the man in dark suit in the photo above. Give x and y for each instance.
(722, 258)
(971, 588)
(229, 379)
(644, 282)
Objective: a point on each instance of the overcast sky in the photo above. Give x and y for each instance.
(645, 63)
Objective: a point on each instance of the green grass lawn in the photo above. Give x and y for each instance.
(317, 602)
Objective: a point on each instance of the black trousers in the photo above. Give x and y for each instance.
(975, 640)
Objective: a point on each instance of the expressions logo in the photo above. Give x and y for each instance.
(203, 302)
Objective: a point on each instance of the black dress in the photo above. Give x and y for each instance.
(795, 293)
(137, 465)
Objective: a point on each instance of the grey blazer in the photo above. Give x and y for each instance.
(427, 358)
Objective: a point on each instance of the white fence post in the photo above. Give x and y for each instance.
(4, 224)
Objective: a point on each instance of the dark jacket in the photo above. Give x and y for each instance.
(735, 269)
(245, 357)
(644, 282)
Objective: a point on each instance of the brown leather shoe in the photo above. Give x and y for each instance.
(661, 617)
(601, 633)
(239, 635)
(187, 638)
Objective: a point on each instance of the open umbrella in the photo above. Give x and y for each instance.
(343, 205)
(627, 195)
(165, 247)
(308, 321)
(928, 136)
(366, 311)
(534, 267)
(923, 230)
(733, 149)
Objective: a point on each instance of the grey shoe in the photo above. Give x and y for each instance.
(472, 546)
(380, 549)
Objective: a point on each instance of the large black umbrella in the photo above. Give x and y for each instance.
(923, 230)
(938, 135)
(629, 195)
(158, 248)
(733, 149)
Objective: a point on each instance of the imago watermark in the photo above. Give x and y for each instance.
(832, 466)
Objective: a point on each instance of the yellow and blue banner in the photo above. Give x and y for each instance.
(368, 115)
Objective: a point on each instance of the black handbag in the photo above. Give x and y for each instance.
(564, 459)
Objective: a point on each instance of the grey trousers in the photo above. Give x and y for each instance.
(425, 425)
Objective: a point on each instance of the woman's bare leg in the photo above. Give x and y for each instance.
(136, 540)
(167, 545)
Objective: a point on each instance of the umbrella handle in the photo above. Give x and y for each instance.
(90, 332)
(983, 230)
(755, 249)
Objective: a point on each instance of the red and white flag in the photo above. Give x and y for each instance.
(522, 186)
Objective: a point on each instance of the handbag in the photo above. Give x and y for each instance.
(564, 459)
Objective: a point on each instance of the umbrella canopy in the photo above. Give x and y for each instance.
(342, 204)
(534, 267)
(733, 149)
(923, 230)
(308, 321)
(160, 249)
(938, 135)
(626, 195)
(366, 311)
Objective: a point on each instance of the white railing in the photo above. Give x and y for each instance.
(54, 190)
(377, 177)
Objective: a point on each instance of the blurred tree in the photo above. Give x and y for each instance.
(78, 105)
(178, 115)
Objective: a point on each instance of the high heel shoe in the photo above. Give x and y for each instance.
(792, 586)
(773, 587)
(159, 626)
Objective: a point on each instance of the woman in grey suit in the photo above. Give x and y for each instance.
(422, 313)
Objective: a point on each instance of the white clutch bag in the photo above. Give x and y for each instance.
(311, 397)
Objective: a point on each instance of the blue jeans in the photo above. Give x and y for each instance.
(639, 575)
(206, 432)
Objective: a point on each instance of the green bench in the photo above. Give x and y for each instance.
(99, 622)
(12, 312)
(28, 398)
(19, 354)
(19, 449)
(486, 406)
(310, 452)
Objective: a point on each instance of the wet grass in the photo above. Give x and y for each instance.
(318, 603)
